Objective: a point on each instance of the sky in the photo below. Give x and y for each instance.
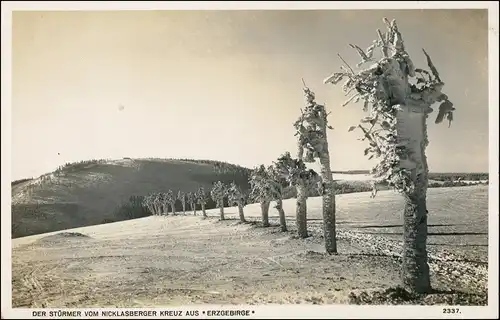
(224, 85)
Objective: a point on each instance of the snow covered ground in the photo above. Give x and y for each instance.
(178, 260)
(352, 177)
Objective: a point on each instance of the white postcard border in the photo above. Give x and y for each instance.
(264, 311)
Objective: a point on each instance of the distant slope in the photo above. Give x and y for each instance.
(91, 192)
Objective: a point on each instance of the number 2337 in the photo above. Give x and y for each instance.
(451, 310)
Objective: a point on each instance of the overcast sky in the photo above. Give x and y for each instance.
(224, 85)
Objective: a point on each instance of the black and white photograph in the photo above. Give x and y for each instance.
(243, 157)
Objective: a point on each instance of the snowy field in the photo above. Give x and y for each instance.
(187, 259)
(352, 177)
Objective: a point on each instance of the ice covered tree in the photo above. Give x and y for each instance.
(181, 196)
(218, 193)
(202, 199)
(261, 191)
(238, 198)
(312, 128)
(278, 182)
(300, 184)
(170, 199)
(191, 198)
(164, 200)
(305, 180)
(157, 203)
(398, 97)
(149, 204)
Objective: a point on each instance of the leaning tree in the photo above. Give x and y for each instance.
(399, 97)
(311, 129)
(305, 180)
(236, 197)
(260, 191)
(218, 192)
(181, 196)
(191, 198)
(202, 199)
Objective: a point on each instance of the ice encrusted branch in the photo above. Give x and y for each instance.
(431, 66)
(385, 86)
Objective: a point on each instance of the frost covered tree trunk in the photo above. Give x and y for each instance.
(301, 210)
(329, 231)
(264, 207)
(412, 132)
(184, 208)
(193, 206)
(172, 205)
(241, 212)
(279, 207)
(221, 207)
(415, 269)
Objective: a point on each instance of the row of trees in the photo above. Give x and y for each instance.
(159, 203)
(267, 184)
